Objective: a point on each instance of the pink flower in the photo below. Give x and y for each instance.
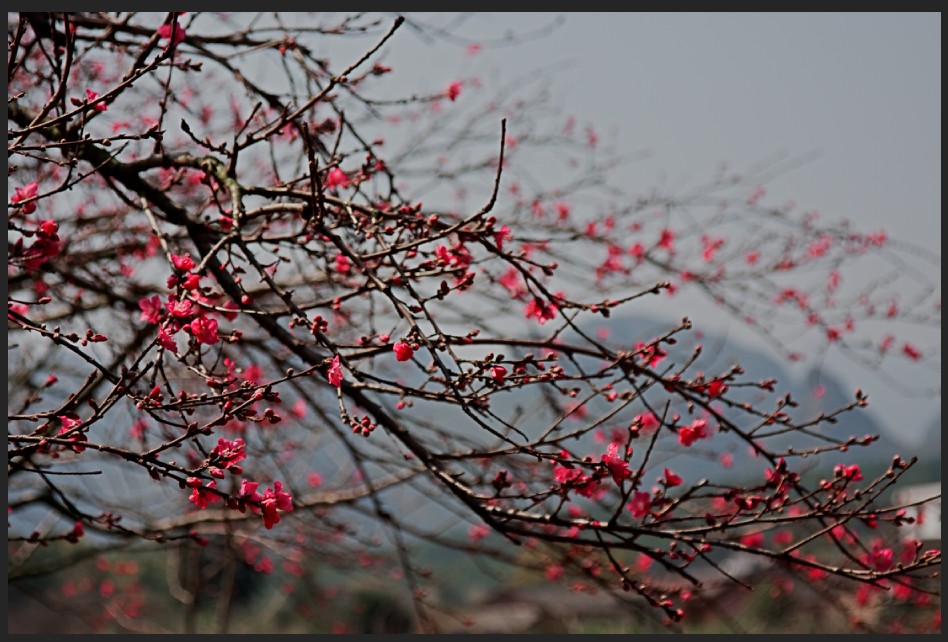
(753, 540)
(711, 246)
(299, 409)
(886, 343)
(477, 532)
(852, 473)
(647, 421)
(183, 262)
(687, 435)
(498, 373)
(67, 424)
(151, 309)
(650, 354)
(591, 137)
(253, 373)
(877, 238)
(537, 208)
(667, 240)
(91, 96)
(264, 566)
(205, 330)
(453, 90)
(201, 497)
(178, 308)
(511, 281)
(335, 372)
(671, 479)
(541, 310)
(403, 351)
(618, 467)
(78, 530)
(911, 352)
(716, 388)
(228, 453)
(275, 499)
(166, 341)
(49, 228)
(880, 558)
(573, 478)
(502, 235)
(230, 305)
(191, 282)
(248, 493)
(819, 247)
(792, 294)
(164, 32)
(562, 210)
(342, 264)
(640, 504)
(24, 193)
(336, 178)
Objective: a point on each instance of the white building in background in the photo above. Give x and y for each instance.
(927, 526)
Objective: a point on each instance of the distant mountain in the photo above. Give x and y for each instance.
(818, 391)
(928, 467)
(932, 439)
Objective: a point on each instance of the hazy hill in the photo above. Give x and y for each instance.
(818, 391)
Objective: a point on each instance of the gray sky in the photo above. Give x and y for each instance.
(862, 90)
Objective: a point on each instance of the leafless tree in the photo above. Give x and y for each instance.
(260, 310)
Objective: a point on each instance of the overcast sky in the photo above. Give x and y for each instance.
(862, 91)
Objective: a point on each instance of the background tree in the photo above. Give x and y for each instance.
(238, 333)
